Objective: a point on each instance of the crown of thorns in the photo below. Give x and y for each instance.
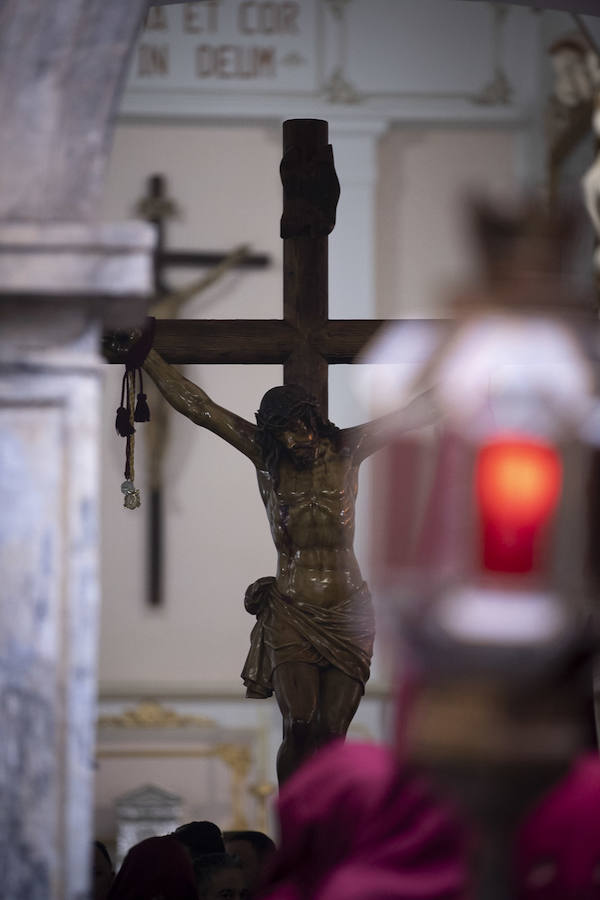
(281, 405)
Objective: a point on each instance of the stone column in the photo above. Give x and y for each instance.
(58, 285)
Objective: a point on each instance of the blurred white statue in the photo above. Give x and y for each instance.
(591, 183)
(576, 70)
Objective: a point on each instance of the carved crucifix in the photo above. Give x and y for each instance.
(312, 642)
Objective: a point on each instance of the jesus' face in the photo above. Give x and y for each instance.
(301, 441)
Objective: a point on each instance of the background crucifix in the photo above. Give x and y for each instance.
(157, 207)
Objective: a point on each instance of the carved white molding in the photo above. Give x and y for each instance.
(148, 801)
(146, 811)
(497, 91)
(338, 88)
(71, 269)
(332, 43)
(117, 698)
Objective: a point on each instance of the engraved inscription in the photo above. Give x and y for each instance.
(231, 61)
(153, 59)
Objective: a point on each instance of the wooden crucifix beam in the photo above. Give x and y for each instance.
(305, 341)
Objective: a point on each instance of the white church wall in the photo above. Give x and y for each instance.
(426, 178)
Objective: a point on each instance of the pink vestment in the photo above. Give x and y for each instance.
(558, 845)
(355, 825)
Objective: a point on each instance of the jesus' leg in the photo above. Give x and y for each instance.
(338, 701)
(296, 686)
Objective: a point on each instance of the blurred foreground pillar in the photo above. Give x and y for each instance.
(54, 284)
(61, 280)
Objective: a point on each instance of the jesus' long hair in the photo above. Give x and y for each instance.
(279, 408)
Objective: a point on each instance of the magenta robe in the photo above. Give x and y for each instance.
(355, 825)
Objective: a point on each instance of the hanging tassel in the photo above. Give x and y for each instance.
(142, 410)
(123, 422)
(131, 494)
(127, 414)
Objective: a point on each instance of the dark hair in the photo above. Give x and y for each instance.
(200, 838)
(156, 866)
(262, 843)
(281, 406)
(206, 865)
(102, 848)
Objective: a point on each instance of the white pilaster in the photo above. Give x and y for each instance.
(54, 282)
(352, 283)
(352, 242)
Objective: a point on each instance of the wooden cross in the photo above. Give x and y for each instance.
(305, 341)
(156, 206)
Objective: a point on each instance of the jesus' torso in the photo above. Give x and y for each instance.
(311, 514)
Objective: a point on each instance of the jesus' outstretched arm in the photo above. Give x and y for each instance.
(194, 403)
(366, 439)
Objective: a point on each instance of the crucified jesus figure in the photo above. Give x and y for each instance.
(313, 639)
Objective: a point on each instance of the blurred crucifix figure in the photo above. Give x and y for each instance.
(574, 107)
(591, 186)
(576, 66)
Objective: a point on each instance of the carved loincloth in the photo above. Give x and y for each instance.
(296, 631)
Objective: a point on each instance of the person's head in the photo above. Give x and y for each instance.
(219, 876)
(103, 873)
(253, 849)
(157, 867)
(289, 421)
(200, 838)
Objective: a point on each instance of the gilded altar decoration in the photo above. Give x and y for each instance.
(151, 714)
(262, 791)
